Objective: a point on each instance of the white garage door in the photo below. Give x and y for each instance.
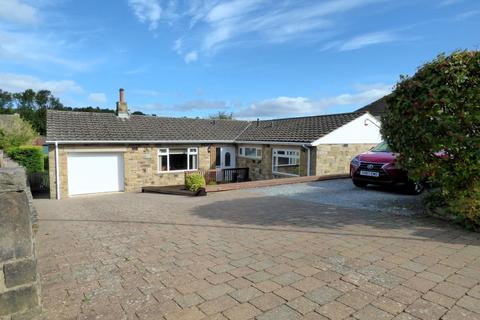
(94, 172)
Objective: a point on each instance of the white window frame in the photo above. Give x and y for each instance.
(291, 154)
(258, 153)
(166, 152)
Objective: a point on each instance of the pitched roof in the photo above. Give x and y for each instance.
(92, 127)
(376, 108)
(304, 129)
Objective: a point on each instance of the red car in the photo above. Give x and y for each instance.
(378, 167)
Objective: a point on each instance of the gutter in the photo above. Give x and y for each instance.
(137, 141)
(57, 172)
(175, 142)
(305, 146)
(301, 144)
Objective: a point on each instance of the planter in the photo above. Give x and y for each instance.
(175, 190)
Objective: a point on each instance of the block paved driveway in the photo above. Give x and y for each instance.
(247, 254)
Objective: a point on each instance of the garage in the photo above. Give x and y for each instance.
(94, 172)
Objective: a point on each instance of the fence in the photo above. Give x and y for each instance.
(39, 181)
(223, 175)
(235, 175)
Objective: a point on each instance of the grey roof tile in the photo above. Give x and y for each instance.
(304, 129)
(89, 126)
(376, 108)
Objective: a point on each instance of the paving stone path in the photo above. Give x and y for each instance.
(246, 255)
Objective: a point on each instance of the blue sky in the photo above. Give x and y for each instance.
(255, 58)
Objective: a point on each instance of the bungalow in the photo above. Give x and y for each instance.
(106, 152)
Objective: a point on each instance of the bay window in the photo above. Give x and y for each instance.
(286, 162)
(177, 159)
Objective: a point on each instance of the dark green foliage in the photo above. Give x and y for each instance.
(194, 181)
(438, 109)
(32, 106)
(138, 113)
(6, 102)
(29, 157)
(221, 115)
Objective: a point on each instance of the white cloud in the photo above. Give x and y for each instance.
(147, 11)
(466, 15)
(39, 49)
(97, 97)
(367, 39)
(301, 106)
(445, 3)
(213, 24)
(18, 12)
(192, 56)
(362, 41)
(199, 105)
(280, 107)
(187, 106)
(19, 82)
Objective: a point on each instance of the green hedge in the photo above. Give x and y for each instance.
(29, 157)
(194, 181)
(438, 110)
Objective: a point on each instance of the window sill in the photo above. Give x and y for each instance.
(251, 158)
(176, 171)
(285, 174)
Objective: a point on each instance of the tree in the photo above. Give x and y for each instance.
(222, 115)
(433, 121)
(15, 132)
(6, 102)
(32, 106)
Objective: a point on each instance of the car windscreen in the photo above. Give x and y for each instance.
(382, 147)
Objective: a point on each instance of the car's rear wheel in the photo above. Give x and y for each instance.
(415, 188)
(359, 184)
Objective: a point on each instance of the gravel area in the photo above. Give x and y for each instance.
(343, 193)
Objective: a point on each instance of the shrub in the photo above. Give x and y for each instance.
(194, 181)
(15, 132)
(438, 109)
(29, 157)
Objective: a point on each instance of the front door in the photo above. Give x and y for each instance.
(227, 156)
(225, 160)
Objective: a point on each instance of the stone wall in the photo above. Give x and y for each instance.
(19, 282)
(261, 169)
(140, 165)
(335, 158)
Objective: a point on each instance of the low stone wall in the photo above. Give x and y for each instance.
(19, 282)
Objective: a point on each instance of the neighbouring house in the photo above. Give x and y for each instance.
(376, 108)
(103, 152)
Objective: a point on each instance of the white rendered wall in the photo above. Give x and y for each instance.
(364, 129)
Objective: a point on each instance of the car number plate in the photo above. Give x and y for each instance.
(369, 173)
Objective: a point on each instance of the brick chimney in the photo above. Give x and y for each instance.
(122, 108)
